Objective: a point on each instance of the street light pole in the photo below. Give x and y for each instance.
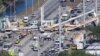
(38, 3)
(96, 6)
(15, 9)
(60, 27)
(32, 6)
(84, 16)
(38, 49)
(42, 14)
(26, 6)
(10, 10)
(96, 10)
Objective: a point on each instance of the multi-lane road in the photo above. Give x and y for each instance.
(26, 49)
(26, 44)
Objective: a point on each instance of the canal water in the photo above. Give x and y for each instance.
(20, 7)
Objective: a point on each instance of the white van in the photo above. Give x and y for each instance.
(25, 19)
(6, 46)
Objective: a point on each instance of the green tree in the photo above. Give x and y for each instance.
(0, 1)
(80, 53)
(2, 7)
(4, 53)
(64, 53)
(1, 4)
(94, 31)
(75, 53)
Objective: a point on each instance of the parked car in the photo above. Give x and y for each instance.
(57, 43)
(1, 43)
(6, 46)
(65, 47)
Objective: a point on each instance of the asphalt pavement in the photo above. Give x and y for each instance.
(26, 43)
(27, 50)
